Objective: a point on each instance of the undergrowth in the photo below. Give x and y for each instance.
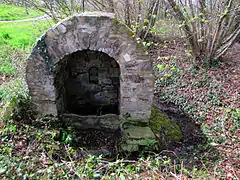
(11, 60)
(14, 92)
(41, 151)
(202, 94)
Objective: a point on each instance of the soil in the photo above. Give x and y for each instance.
(96, 142)
(226, 72)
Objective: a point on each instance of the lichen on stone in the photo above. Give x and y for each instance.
(163, 127)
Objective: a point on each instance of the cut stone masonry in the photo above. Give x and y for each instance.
(89, 71)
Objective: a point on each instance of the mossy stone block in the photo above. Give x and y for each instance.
(130, 147)
(137, 132)
(161, 125)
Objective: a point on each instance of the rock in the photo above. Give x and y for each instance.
(129, 147)
(137, 132)
(89, 71)
(62, 29)
(135, 137)
(164, 128)
(97, 41)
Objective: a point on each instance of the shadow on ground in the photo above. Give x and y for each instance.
(194, 149)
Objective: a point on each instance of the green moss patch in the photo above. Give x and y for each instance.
(163, 127)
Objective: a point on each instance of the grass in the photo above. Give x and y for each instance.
(8, 65)
(22, 34)
(14, 38)
(12, 12)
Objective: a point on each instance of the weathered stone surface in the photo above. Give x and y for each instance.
(99, 32)
(109, 121)
(163, 127)
(137, 132)
(136, 136)
(87, 67)
(130, 147)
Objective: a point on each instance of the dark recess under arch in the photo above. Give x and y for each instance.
(87, 83)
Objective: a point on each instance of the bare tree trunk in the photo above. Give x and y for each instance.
(127, 13)
(210, 30)
(110, 6)
(151, 18)
(83, 5)
(26, 7)
(181, 18)
(138, 23)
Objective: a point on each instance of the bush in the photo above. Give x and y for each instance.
(14, 93)
(12, 61)
(14, 97)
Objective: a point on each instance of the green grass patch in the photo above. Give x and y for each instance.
(15, 38)
(7, 66)
(12, 61)
(12, 12)
(22, 34)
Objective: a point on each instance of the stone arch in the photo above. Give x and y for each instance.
(100, 32)
(87, 83)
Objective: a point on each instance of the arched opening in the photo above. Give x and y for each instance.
(87, 83)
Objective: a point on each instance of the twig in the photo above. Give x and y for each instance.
(174, 175)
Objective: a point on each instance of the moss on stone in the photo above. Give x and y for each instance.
(138, 132)
(163, 127)
(122, 27)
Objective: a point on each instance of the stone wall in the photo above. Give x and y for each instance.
(89, 84)
(92, 32)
